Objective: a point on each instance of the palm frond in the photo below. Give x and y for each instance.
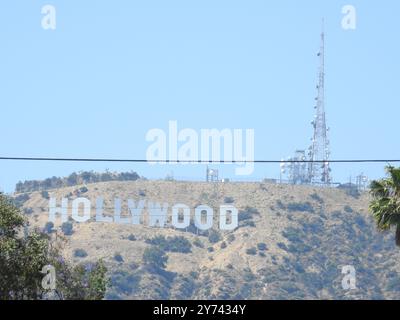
(395, 178)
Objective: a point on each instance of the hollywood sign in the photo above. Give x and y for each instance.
(157, 214)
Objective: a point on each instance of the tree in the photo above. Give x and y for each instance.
(72, 179)
(45, 194)
(82, 282)
(22, 258)
(385, 205)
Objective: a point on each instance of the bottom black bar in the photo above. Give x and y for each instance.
(193, 309)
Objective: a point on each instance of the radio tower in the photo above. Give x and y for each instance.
(319, 172)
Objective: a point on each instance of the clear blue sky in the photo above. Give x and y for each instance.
(112, 70)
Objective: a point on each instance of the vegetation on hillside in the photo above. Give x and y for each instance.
(24, 254)
(385, 205)
(74, 179)
(291, 243)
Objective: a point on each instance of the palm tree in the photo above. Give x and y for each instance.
(385, 205)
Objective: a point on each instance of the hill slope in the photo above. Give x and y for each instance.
(292, 243)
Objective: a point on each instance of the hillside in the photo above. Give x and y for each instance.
(291, 243)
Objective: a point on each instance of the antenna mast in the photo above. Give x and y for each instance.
(319, 172)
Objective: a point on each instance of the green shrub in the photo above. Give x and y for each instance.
(131, 237)
(67, 228)
(289, 287)
(80, 253)
(251, 210)
(124, 283)
(28, 210)
(314, 227)
(282, 246)
(280, 205)
(171, 244)
(154, 257)
(244, 215)
(248, 276)
(301, 207)
(83, 190)
(293, 234)
(179, 244)
(48, 228)
(198, 243)
(229, 200)
(393, 285)
(251, 251)
(348, 209)
(118, 257)
(261, 246)
(299, 248)
(133, 265)
(316, 197)
(298, 267)
(112, 296)
(45, 194)
(249, 224)
(186, 287)
(214, 236)
(336, 214)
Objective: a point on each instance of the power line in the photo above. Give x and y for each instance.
(197, 161)
(337, 205)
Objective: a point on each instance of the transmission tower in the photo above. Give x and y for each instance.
(319, 172)
(296, 168)
(211, 175)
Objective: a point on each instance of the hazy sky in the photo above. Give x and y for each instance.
(112, 70)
